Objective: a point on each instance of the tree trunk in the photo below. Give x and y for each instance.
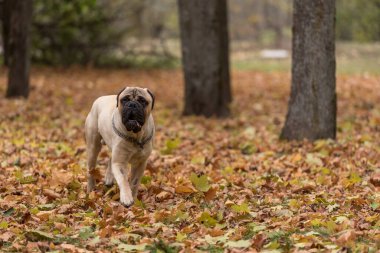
(5, 18)
(18, 48)
(312, 104)
(205, 57)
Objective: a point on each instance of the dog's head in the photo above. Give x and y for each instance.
(135, 105)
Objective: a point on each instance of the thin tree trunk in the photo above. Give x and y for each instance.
(312, 104)
(205, 57)
(18, 51)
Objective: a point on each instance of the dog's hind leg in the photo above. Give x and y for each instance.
(93, 148)
(109, 176)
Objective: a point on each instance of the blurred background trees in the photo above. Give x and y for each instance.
(93, 32)
(146, 32)
(358, 20)
(75, 32)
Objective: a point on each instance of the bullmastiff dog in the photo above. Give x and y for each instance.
(124, 123)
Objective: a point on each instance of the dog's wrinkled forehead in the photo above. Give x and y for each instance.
(133, 92)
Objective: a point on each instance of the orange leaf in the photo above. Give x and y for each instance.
(215, 232)
(184, 189)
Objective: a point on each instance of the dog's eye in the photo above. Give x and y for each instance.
(124, 100)
(142, 100)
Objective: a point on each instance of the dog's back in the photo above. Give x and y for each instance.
(100, 111)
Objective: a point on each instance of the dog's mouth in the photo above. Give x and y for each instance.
(133, 120)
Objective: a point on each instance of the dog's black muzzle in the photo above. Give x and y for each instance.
(133, 116)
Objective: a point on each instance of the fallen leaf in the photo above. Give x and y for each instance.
(346, 237)
(238, 244)
(207, 219)
(375, 179)
(164, 195)
(242, 208)
(184, 189)
(200, 183)
(210, 194)
(36, 235)
(216, 232)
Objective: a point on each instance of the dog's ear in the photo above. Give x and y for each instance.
(117, 97)
(153, 98)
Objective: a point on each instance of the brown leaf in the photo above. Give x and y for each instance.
(259, 241)
(66, 208)
(304, 189)
(60, 226)
(164, 195)
(51, 194)
(44, 215)
(346, 237)
(5, 236)
(375, 179)
(72, 248)
(105, 232)
(210, 194)
(60, 178)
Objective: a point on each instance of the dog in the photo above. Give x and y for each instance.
(124, 123)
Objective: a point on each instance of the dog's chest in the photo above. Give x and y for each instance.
(138, 157)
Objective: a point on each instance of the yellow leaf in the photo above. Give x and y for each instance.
(200, 183)
(316, 222)
(198, 160)
(294, 204)
(207, 219)
(180, 237)
(243, 208)
(355, 178)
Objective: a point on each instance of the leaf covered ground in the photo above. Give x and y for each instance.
(211, 185)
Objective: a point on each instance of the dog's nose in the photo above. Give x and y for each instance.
(132, 105)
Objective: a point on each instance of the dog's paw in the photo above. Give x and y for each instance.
(108, 180)
(126, 200)
(128, 205)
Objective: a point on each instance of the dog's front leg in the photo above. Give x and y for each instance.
(136, 174)
(119, 170)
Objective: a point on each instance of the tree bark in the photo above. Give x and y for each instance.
(18, 48)
(205, 57)
(5, 18)
(312, 104)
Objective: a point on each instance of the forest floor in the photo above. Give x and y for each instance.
(211, 185)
